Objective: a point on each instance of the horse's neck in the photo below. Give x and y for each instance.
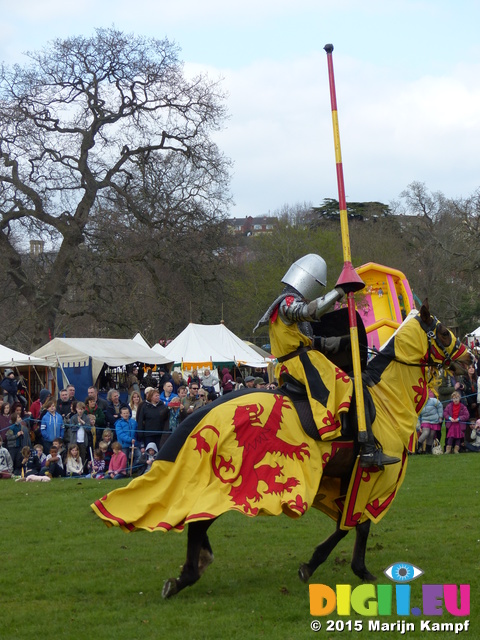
(407, 384)
(399, 377)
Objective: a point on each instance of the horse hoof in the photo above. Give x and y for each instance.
(364, 574)
(169, 588)
(304, 573)
(369, 577)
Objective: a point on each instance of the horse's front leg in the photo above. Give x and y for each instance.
(358, 559)
(321, 553)
(199, 556)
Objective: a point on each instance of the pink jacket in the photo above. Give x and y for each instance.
(456, 429)
(118, 463)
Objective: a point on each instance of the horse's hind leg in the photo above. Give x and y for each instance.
(199, 556)
(206, 554)
(358, 559)
(321, 553)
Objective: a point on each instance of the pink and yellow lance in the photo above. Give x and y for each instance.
(349, 280)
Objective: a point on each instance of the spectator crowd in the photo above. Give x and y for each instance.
(100, 437)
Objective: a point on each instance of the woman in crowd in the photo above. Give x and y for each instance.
(209, 381)
(176, 380)
(134, 404)
(470, 389)
(4, 421)
(112, 412)
(152, 419)
(18, 435)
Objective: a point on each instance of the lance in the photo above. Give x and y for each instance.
(349, 279)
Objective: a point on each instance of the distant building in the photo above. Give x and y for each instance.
(249, 225)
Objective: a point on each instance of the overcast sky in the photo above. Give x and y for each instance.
(407, 78)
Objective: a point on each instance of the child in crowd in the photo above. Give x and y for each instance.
(473, 443)
(126, 429)
(74, 461)
(62, 450)
(78, 430)
(97, 467)
(430, 422)
(30, 463)
(53, 464)
(6, 463)
(92, 421)
(456, 417)
(117, 469)
(106, 445)
(38, 449)
(147, 457)
(51, 425)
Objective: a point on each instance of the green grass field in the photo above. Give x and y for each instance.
(66, 575)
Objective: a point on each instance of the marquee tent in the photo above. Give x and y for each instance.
(81, 359)
(209, 345)
(141, 340)
(12, 358)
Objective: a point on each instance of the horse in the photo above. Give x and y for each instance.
(250, 452)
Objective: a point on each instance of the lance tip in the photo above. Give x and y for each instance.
(328, 48)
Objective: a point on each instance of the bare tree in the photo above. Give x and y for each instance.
(101, 123)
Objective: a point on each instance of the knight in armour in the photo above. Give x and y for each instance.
(302, 357)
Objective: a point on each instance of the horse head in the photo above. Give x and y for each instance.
(444, 349)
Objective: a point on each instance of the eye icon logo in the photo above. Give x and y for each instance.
(402, 572)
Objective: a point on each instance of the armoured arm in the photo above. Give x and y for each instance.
(296, 310)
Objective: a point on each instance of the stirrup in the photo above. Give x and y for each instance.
(370, 456)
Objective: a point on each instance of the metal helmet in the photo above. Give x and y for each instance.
(308, 275)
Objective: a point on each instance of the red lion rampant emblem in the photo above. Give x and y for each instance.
(256, 441)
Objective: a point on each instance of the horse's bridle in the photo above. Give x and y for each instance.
(431, 333)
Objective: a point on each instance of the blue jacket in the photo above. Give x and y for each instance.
(167, 400)
(9, 385)
(126, 431)
(52, 426)
(432, 412)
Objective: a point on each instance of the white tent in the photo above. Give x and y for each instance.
(79, 352)
(205, 345)
(158, 348)
(12, 358)
(141, 340)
